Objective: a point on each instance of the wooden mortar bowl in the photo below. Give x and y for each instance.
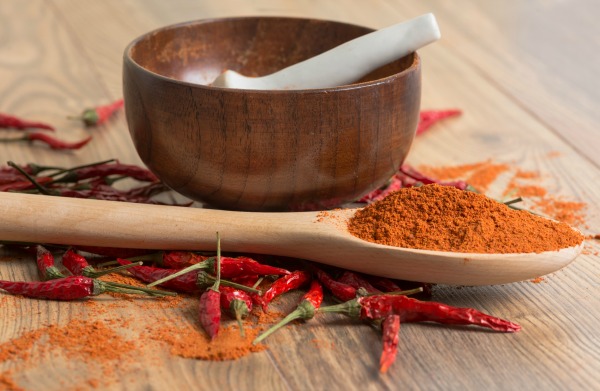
(265, 150)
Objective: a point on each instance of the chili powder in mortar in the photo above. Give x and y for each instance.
(444, 218)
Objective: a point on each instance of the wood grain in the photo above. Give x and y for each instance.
(527, 102)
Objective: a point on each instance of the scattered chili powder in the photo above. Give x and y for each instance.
(523, 183)
(569, 212)
(7, 383)
(443, 218)
(191, 342)
(97, 343)
(525, 190)
(537, 280)
(322, 344)
(480, 175)
(527, 174)
(20, 348)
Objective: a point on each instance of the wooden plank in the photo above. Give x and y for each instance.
(541, 54)
(558, 347)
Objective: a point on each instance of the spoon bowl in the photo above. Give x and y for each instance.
(316, 236)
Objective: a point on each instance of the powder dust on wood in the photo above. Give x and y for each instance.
(480, 175)
(522, 183)
(443, 218)
(7, 383)
(191, 342)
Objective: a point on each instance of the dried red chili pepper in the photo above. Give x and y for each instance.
(390, 328)
(383, 284)
(79, 266)
(284, 284)
(237, 302)
(13, 122)
(10, 177)
(114, 252)
(251, 280)
(104, 170)
(50, 141)
(188, 282)
(204, 280)
(210, 301)
(181, 259)
(230, 267)
(307, 309)
(357, 281)
(339, 290)
(147, 191)
(149, 274)
(24, 185)
(377, 307)
(428, 118)
(45, 264)
(55, 143)
(408, 174)
(71, 288)
(99, 115)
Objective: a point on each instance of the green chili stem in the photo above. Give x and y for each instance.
(205, 279)
(215, 287)
(201, 265)
(139, 289)
(65, 170)
(513, 201)
(99, 273)
(407, 292)
(305, 310)
(31, 179)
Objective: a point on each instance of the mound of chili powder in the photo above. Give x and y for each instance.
(444, 218)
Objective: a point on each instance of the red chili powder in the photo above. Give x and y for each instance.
(479, 175)
(523, 183)
(191, 342)
(444, 218)
(569, 212)
(7, 383)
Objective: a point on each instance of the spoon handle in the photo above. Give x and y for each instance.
(71, 221)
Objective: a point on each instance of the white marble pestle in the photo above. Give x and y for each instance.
(346, 63)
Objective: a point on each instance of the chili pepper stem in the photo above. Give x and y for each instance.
(70, 169)
(206, 279)
(93, 273)
(14, 139)
(305, 310)
(239, 308)
(407, 292)
(108, 263)
(201, 265)
(215, 287)
(350, 308)
(137, 289)
(513, 201)
(31, 179)
(52, 273)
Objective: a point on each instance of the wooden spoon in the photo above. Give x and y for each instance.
(317, 236)
(345, 63)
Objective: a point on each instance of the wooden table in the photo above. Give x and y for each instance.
(525, 75)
